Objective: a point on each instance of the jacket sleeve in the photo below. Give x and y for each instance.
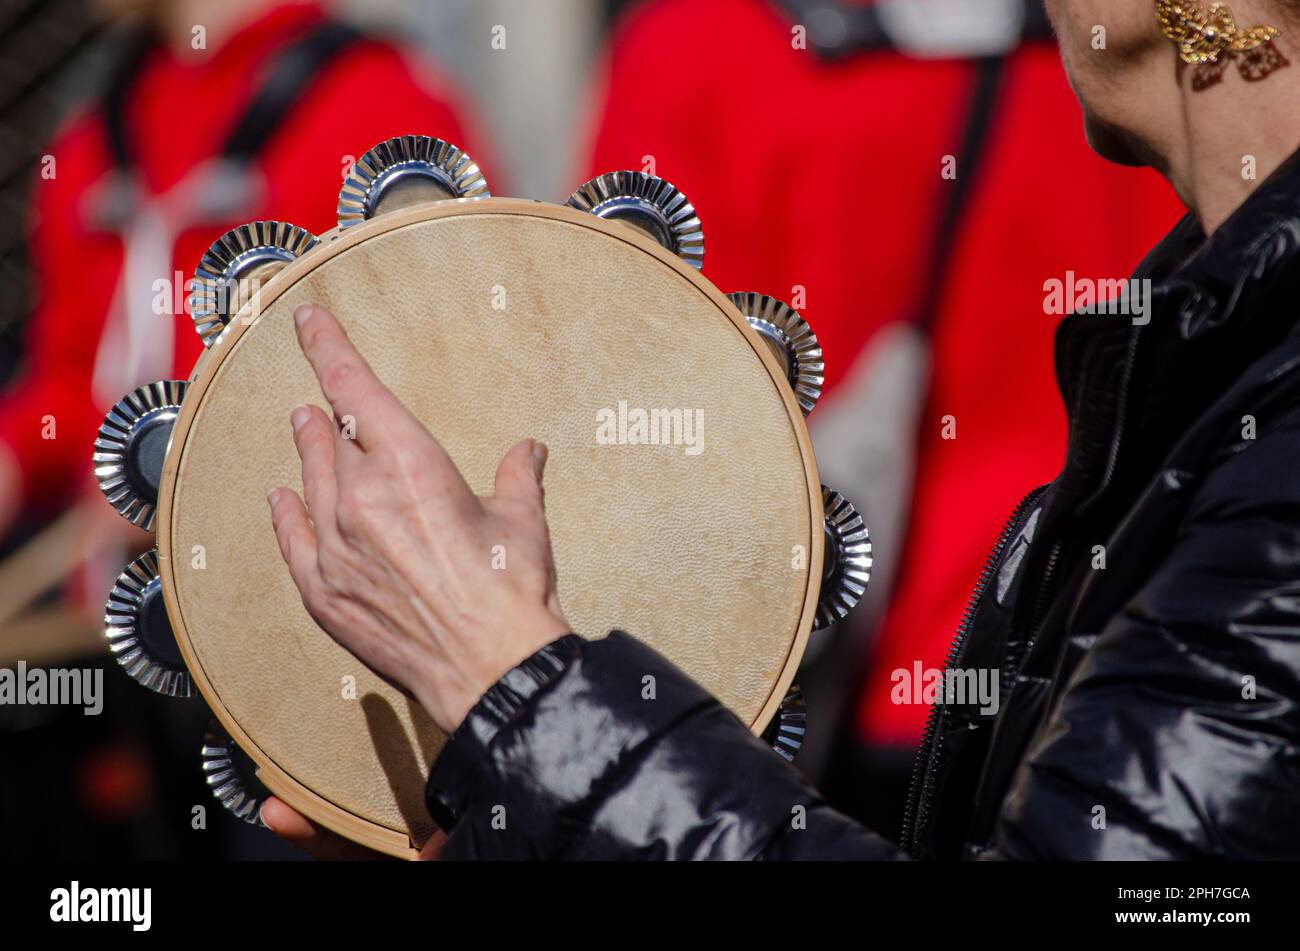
(1178, 737)
(604, 750)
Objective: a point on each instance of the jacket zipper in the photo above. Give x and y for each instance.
(1042, 599)
(1043, 596)
(921, 788)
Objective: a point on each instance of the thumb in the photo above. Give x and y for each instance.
(519, 476)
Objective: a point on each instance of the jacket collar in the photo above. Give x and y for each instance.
(1217, 304)
(1199, 284)
(1236, 268)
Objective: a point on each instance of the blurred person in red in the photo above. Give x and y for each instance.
(934, 331)
(218, 112)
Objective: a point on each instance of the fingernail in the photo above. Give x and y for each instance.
(301, 313)
(298, 417)
(539, 457)
(272, 497)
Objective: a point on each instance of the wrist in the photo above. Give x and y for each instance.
(448, 703)
(455, 773)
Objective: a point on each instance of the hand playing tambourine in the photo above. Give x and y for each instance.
(321, 843)
(391, 549)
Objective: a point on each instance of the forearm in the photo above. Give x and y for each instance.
(569, 756)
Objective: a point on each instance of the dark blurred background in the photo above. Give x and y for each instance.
(907, 173)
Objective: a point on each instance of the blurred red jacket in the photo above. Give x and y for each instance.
(826, 175)
(179, 114)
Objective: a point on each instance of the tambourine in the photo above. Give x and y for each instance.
(682, 493)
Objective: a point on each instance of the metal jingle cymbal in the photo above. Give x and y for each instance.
(791, 339)
(131, 446)
(847, 567)
(232, 775)
(233, 268)
(139, 633)
(649, 204)
(785, 734)
(407, 170)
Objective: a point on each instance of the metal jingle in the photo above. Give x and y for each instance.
(139, 633)
(785, 734)
(649, 204)
(790, 338)
(252, 252)
(131, 446)
(407, 170)
(846, 570)
(231, 775)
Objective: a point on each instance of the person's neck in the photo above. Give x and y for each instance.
(1230, 137)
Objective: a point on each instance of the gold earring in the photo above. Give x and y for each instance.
(1202, 38)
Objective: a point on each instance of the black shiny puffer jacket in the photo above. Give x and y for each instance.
(1142, 612)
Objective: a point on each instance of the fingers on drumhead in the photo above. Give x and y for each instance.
(368, 415)
(288, 516)
(358, 397)
(294, 534)
(314, 436)
(519, 475)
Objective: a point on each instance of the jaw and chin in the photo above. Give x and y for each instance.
(1117, 144)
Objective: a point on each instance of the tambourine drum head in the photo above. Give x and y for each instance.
(495, 320)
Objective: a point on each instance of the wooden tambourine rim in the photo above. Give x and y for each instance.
(284, 786)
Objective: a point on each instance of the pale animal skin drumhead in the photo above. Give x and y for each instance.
(697, 553)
